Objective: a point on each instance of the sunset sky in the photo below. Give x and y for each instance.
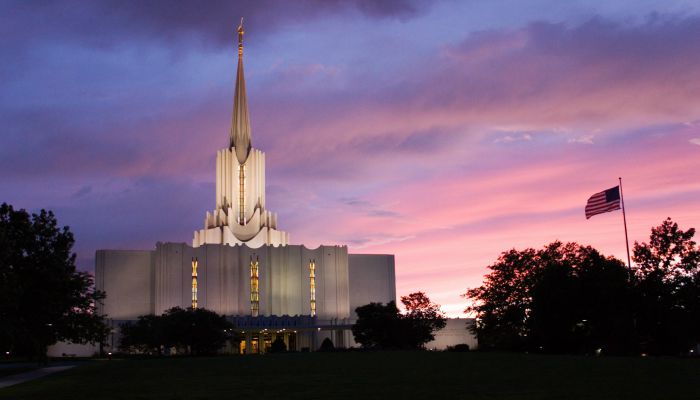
(442, 132)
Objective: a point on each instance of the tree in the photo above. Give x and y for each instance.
(198, 331)
(43, 298)
(580, 302)
(326, 345)
(502, 304)
(667, 290)
(377, 326)
(423, 318)
(562, 298)
(146, 335)
(382, 326)
(670, 255)
(278, 346)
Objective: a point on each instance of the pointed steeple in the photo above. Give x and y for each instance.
(240, 124)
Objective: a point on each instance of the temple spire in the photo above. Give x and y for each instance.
(240, 124)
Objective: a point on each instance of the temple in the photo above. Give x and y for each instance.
(242, 266)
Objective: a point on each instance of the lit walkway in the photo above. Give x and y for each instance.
(28, 376)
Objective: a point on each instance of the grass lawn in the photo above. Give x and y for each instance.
(381, 375)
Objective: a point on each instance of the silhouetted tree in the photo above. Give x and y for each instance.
(198, 331)
(423, 319)
(326, 345)
(43, 299)
(278, 346)
(458, 348)
(580, 302)
(146, 335)
(562, 298)
(377, 326)
(382, 326)
(667, 290)
(503, 303)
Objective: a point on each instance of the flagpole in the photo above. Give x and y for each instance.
(624, 219)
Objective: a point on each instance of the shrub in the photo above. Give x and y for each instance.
(326, 345)
(458, 348)
(278, 346)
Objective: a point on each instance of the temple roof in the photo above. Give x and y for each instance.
(240, 124)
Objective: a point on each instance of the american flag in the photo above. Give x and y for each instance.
(607, 200)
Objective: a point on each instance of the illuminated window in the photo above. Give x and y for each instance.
(254, 288)
(194, 282)
(312, 285)
(241, 194)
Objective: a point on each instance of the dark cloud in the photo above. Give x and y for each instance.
(392, 8)
(601, 39)
(63, 142)
(368, 208)
(556, 71)
(354, 201)
(112, 22)
(383, 213)
(430, 140)
(357, 242)
(83, 191)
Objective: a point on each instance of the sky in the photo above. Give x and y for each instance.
(444, 132)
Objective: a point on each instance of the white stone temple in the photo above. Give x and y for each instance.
(242, 266)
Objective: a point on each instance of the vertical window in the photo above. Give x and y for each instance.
(312, 285)
(241, 194)
(254, 288)
(194, 282)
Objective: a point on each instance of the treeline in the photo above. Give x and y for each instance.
(203, 332)
(569, 298)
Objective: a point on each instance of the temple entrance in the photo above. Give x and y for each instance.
(291, 341)
(266, 340)
(252, 343)
(261, 342)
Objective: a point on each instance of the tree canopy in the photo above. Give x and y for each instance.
(423, 317)
(43, 298)
(381, 326)
(197, 331)
(667, 290)
(571, 298)
(560, 298)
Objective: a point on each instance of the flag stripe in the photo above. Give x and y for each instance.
(605, 201)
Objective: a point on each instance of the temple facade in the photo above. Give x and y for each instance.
(241, 265)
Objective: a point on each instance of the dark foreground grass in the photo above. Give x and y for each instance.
(14, 371)
(382, 375)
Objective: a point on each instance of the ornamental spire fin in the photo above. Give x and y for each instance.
(240, 123)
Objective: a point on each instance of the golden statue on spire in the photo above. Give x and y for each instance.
(240, 38)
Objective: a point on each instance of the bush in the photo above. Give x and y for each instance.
(326, 345)
(197, 331)
(458, 348)
(278, 346)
